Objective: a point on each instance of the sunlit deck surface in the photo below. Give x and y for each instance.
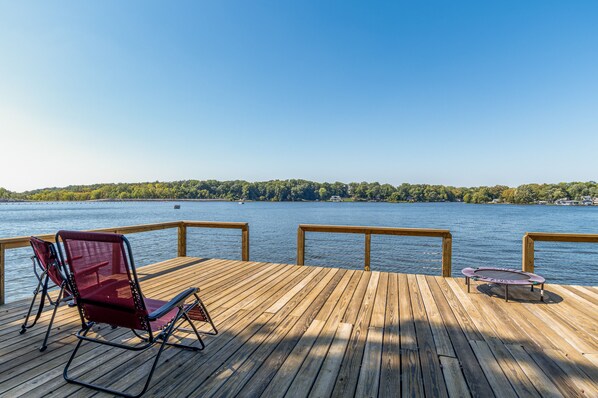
(310, 331)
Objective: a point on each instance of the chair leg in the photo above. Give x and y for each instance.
(194, 330)
(164, 336)
(41, 288)
(56, 304)
(190, 322)
(207, 314)
(85, 330)
(98, 387)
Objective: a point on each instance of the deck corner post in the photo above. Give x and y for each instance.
(2, 274)
(245, 243)
(527, 254)
(182, 240)
(447, 254)
(300, 246)
(368, 251)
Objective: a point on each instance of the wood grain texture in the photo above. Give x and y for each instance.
(295, 331)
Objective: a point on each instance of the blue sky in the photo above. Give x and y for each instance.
(441, 92)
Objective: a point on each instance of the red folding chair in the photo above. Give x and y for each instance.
(101, 274)
(49, 272)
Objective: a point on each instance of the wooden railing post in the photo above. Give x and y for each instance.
(245, 243)
(368, 251)
(182, 240)
(2, 271)
(447, 254)
(300, 246)
(527, 254)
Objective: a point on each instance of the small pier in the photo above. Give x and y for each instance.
(299, 331)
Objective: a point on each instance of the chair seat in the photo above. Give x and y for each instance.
(196, 313)
(152, 305)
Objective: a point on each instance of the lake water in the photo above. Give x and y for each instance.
(483, 235)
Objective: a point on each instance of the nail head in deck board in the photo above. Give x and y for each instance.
(564, 383)
(588, 385)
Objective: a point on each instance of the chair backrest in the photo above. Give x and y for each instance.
(102, 275)
(47, 258)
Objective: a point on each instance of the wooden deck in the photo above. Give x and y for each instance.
(307, 331)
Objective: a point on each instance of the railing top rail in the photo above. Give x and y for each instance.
(216, 224)
(441, 233)
(562, 237)
(23, 241)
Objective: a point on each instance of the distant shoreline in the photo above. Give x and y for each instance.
(566, 193)
(269, 201)
(119, 200)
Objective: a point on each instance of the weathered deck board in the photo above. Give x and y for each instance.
(306, 331)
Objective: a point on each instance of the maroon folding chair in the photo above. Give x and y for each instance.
(102, 276)
(49, 272)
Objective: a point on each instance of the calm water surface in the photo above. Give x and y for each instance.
(483, 235)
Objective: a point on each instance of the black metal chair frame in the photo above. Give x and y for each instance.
(43, 286)
(146, 341)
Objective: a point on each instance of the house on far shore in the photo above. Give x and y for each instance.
(566, 202)
(595, 200)
(586, 201)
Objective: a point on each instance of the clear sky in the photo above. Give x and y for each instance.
(441, 92)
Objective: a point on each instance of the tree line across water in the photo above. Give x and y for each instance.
(302, 190)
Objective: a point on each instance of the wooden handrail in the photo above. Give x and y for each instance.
(528, 251)
(23, 241)
(447, 239)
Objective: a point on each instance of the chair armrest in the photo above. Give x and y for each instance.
(175, 302)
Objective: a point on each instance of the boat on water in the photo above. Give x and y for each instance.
(335, 198)
(177, 207)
